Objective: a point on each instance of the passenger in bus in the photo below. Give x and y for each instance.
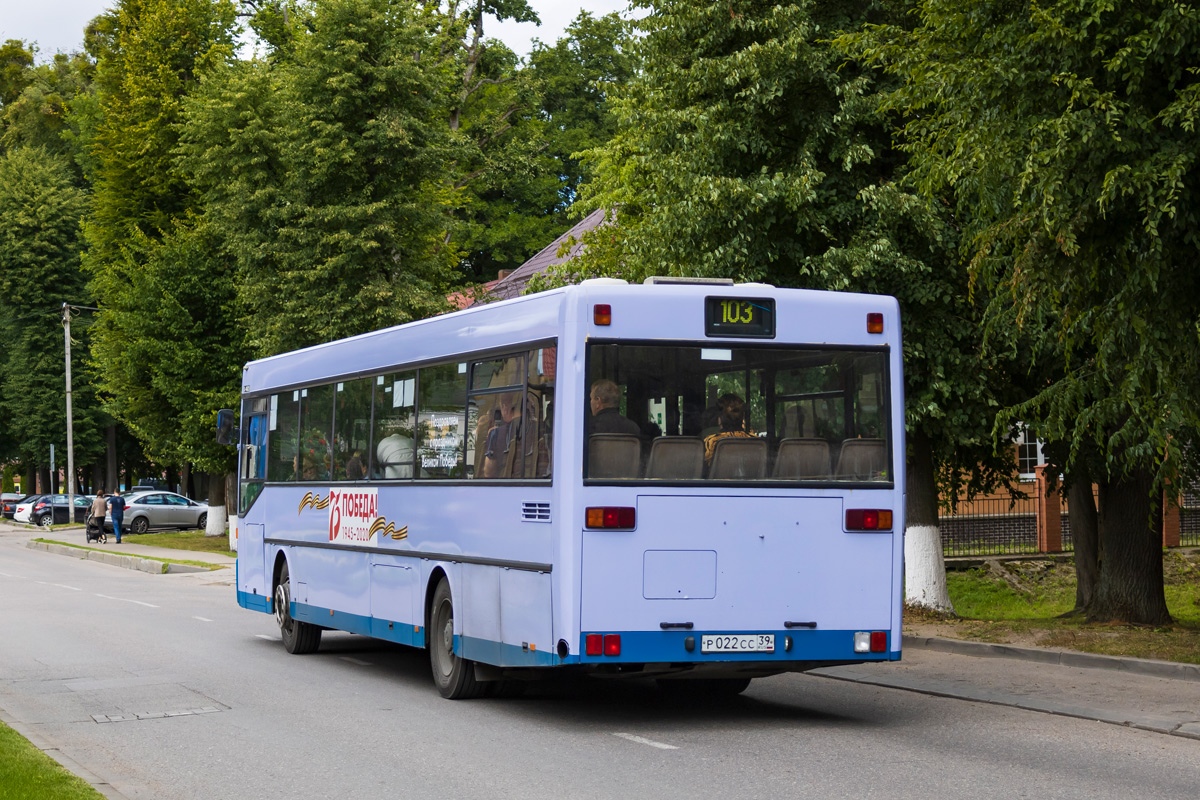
(604, 401)
(710, 421)
(354, 467)
(395, 454)
(732, 421)
(503, 440)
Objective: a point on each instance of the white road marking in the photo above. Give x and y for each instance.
(203, 619)
(357, 661)
(6, 575)
(60, 585)
(264, 636)
(645, 741)
(126, 600)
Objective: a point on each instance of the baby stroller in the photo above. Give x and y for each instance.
(95, 529)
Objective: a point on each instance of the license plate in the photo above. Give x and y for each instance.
(738, 643)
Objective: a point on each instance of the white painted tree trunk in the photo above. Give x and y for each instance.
(217, 521)
(925, 569)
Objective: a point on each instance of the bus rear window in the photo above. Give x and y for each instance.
(681, 413)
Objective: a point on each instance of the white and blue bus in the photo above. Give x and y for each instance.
(676, 480)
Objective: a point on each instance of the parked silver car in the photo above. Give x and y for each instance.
(146, 510)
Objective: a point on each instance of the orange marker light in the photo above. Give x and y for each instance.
(602, 314)
(874, 323)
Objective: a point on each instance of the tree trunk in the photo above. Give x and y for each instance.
(112, 479)
(924, 565)
(1130, 585)
(218, 522)
(1085, 536)
(185, 480)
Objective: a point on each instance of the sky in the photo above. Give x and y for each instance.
(58, 24)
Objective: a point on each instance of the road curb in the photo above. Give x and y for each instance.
(147, 565)
(1066, 658)
(63, 760)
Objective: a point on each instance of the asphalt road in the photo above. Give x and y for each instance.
(160, 686)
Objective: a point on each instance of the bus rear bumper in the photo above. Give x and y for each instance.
(790, 649)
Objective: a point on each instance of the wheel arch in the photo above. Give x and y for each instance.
(276, 571)
(436, 575)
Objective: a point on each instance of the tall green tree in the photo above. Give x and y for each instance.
(748, 148)
(40, 242)
(37, 116)
(324, 173)
(513, 213)
(1068, 130)
(16, 59)
(145, 254)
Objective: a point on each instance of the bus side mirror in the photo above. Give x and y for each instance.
(227, 433)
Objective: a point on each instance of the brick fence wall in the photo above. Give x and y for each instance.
(1041, 524)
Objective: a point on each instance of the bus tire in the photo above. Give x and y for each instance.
(453, 675)
(298, 637)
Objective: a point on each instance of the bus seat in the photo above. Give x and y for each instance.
(676, 458)
(862, 459)
(738, 458)
(802, 458)
(614, 455)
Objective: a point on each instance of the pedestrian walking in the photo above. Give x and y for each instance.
(99, 505)
(116, 508)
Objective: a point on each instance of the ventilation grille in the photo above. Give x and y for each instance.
(535, 512)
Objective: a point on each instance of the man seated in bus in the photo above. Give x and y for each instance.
(605, 400)
(395, 454)
(502, 454)
(732, 421)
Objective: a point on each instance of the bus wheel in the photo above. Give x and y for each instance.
(298, 637)
(454, 676)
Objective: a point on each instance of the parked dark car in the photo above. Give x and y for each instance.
(8, 503)
(51, 509)
(146, 510)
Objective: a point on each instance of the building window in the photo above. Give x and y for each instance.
(1029, 455)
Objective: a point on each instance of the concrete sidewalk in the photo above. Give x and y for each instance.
(1106, 690)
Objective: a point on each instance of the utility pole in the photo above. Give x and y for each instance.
(66, 310)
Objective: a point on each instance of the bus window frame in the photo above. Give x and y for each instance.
(883, 349)
(469, 357)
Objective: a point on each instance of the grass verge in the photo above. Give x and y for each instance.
(206, 564)
(183, 540)
(1021, 602)
(27, 773)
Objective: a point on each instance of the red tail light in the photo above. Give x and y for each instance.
(611, 517)
(878, 641)
(612, 644)
(868, 519)
(40, 506)
(593, 644)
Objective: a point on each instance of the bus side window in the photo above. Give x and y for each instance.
(395, 418)
(542, 370)
(283, 428)
(351, 420)
(441, 420)
(315, 459)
